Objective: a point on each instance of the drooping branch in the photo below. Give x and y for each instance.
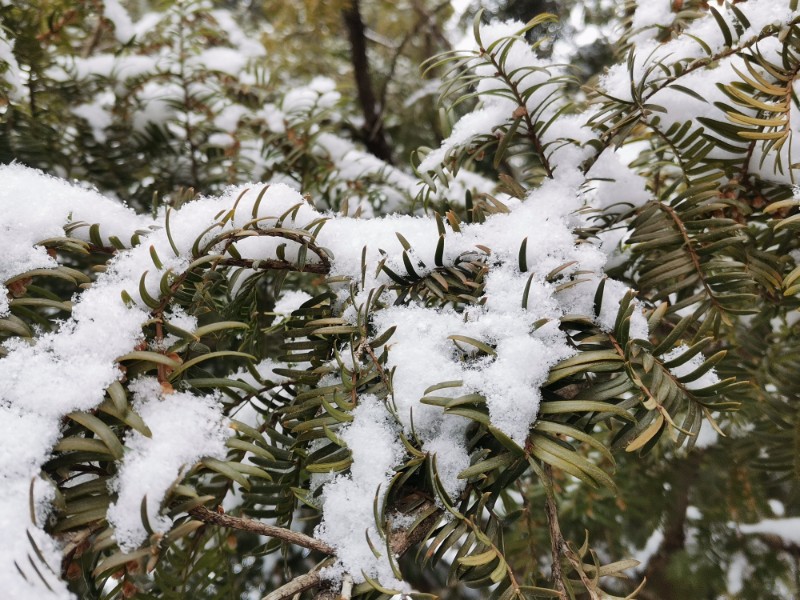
(244, 524)
(374, 134)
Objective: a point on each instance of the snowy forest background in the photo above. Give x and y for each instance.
(413, 299)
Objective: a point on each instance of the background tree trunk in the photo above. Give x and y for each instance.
(374, 136)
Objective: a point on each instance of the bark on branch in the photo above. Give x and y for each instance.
(201, 513)
(278, 265)
(557, 543)
(295, 586)
(401, 540)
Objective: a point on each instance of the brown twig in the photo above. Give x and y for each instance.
(244, 524)
(347, 587)
(271, 263)
(557, 543)
(696, 262)
(401, 540)
(295, 586)
(94, 39)
(522, 110)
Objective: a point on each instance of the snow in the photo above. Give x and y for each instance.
(184, 429)
(57, 204)
(353, 164)
(420, 343)
(619, 189)
(224, 60)
(123, 25)
(651, 546)
(156, 104)
(70, 368)
(763, 13)
(48, 382)
(104, 65)
(229, 117)
(320, 93)
(450, 454)
(690, 366)
(290, 301)
(651, 16)
(9, 68)
(613, 244)
(777, 507)
(177, 317)
(788, 529)
(41, 382)
(481, 122)
(613, 293)
(348, 517)
(27, 436)
(738, 569)
(246, 43)
(97, 113)
(510, 383)
(760, 14)
(707, 436)
(618, 82)
(266, 370)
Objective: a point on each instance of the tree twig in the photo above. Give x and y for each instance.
(244, 524)
(277, 265)
(94, 39)
(401, 540)
(347, 587)
(295, 586)
(557, 543)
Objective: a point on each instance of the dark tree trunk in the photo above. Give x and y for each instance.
(659, 584)
(374, 135)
